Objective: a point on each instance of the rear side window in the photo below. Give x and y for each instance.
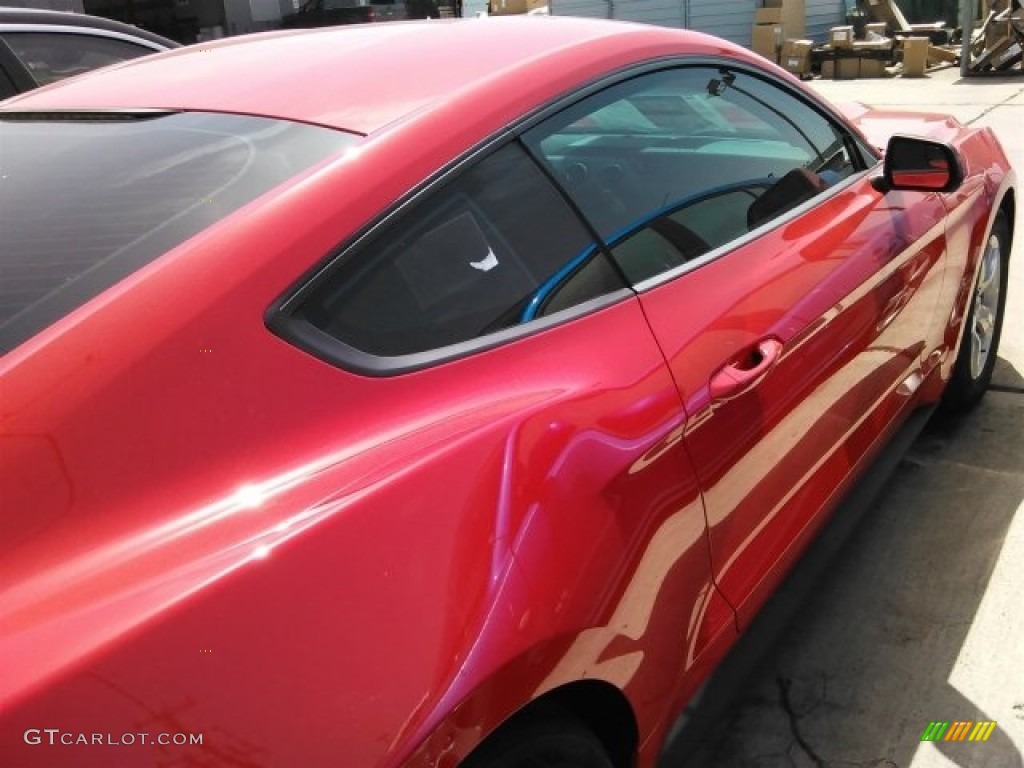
(493, 249)
(53, 56)
(87, 202)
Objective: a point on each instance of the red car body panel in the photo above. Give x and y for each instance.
(208, 530)
(471, 578)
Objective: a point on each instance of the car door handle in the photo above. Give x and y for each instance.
(745, 371)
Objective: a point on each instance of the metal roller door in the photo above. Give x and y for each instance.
(730, 19)
(821, 15)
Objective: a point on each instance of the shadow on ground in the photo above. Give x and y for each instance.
(987, 78)
(865, 664)
(1006, 378)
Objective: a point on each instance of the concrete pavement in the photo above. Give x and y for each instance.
(921, 615)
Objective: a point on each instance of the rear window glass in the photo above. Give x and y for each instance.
(87, 202)
(493, 248)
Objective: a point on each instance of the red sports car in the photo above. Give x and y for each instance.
(442, 394)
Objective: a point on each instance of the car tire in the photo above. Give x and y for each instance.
(547, 739)
(972, 372)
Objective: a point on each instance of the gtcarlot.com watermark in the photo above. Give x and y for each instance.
(54, 736)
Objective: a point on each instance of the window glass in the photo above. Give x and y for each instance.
(495, 248)
(52, 56)
(670, 165)
(6, 86)
(87, 202)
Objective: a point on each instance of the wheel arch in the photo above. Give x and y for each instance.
(604, 709)
(512, 696)
(598, 705)
(1001, 198)
(1008, 205)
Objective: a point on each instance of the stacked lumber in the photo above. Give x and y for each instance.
(916, 44)
(996, 46)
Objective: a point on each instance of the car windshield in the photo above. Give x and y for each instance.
(85, 200)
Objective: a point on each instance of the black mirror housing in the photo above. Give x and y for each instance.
(922, 165)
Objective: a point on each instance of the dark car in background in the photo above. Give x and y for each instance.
(327, 13)
(40, 47)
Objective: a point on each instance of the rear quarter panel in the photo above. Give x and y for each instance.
(313, 567)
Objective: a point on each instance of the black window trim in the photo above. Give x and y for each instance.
(329, 348)
(284, 319)
(283, 316)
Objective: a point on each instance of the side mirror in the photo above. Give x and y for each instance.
(922, 165)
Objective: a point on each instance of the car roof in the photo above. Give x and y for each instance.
(363, 78)
(37, 17)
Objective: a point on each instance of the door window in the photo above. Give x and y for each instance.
(494, 248)
(671, 165)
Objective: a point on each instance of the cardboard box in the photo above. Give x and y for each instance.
(882, 46)
(766, 39)
(848, 69)
(949, 55)
(508, 7)
(872, 68)
(794, 16)
(796, 56)
(995, 32)
(768, 15)
(915, 56)
(879, 28)
(841, 37)
(840, 69)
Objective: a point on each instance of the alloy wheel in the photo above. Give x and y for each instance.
(986, 306)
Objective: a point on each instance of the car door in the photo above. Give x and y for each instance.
(790, 298)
